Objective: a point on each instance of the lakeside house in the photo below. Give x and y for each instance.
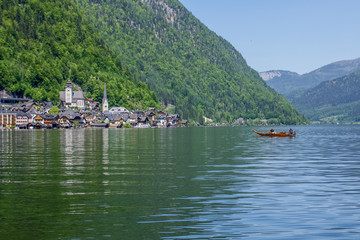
(76, 111)
(7, 119)
(68, 118)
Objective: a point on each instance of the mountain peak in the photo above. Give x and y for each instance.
(269, 75)
(293, 84)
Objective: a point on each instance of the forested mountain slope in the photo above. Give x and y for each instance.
(339, 99)
(185, 63)
(44, 43)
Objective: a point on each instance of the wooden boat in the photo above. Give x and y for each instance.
(279, 134)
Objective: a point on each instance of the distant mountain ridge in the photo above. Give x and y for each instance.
(292, 85)
(337, 100)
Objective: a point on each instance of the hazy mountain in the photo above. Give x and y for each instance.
(292, 85)
(337, 100)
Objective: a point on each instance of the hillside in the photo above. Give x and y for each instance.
(293, 85)
(132, 46)
(185, 63)
(338, 100)
(45, 43)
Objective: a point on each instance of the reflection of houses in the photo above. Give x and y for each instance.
(70, 98)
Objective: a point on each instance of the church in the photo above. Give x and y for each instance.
(70, 98)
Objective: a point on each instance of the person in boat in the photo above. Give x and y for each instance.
(291, 131)
(272, 131)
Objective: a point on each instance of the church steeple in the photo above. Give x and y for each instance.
(105, 104)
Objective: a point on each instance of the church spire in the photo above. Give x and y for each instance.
(105, 104)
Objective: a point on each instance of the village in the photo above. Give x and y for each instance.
(78, 112)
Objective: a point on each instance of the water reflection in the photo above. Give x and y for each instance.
(191, 183)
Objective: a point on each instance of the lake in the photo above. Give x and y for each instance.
(181, 183)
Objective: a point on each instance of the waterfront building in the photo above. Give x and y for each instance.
(7, 119)
(71, 98)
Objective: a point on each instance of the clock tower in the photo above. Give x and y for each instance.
(68, 93)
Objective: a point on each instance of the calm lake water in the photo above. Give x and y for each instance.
(184, 183)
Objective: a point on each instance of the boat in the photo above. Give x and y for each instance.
(279, 134)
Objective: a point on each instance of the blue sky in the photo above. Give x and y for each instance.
(294, 35)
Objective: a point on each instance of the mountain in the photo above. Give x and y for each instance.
(132, 46)
(292, 85)
(337, 100)
(46, 43)
(278, 74)
(183, 62)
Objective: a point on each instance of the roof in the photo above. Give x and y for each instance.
(149, 113)
(77, 95)
(118, 110)
(50, 116)
(69, 113)
(6, 111)
(133, 116)
(23, 114)
(139, 113)
(143, 119)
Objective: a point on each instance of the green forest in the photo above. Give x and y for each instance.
(45, 43)
(150, 53)
(333, 101)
